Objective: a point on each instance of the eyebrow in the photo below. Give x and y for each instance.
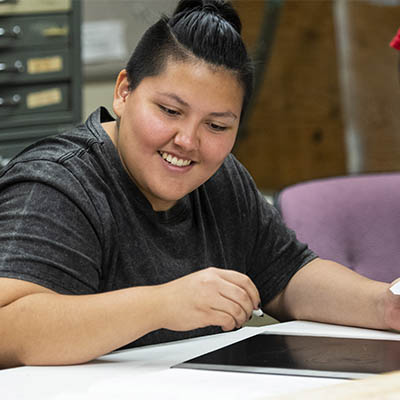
(183, 103)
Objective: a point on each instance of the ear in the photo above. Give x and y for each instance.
(121, 92)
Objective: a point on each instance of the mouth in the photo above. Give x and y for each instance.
(175, 161)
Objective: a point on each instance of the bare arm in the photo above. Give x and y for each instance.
(40, 327)
(325, 291)
(43, 327)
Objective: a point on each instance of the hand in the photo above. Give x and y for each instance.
(392, 308)
(208, 297)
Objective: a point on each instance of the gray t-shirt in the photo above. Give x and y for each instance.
(73, 221)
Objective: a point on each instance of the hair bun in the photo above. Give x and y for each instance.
(222, 8)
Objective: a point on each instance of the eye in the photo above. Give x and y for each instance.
(216, 127)
(168, 111)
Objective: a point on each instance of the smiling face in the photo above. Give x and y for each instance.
(176, 128)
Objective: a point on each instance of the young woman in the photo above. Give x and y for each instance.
(146, 229)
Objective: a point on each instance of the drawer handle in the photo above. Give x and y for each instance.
(8, 1)
(16, 67)
(13, 33)
(12, 101)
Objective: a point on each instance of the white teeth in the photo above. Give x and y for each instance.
(179, 162)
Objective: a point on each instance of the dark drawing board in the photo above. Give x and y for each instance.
(303, 355)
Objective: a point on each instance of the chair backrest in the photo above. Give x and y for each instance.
(354, 220)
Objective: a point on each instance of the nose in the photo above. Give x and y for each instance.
(187, 137)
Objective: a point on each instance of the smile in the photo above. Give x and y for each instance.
(178, 162)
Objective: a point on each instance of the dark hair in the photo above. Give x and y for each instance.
(209, 30)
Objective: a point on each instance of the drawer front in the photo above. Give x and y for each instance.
(25, 31)
(10, 7)
(19, 101)
(38, 66)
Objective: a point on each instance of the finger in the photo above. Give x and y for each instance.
(223, 319)
(238, 296)
(244, 282)
(239, 312)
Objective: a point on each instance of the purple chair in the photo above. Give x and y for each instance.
(354, 220)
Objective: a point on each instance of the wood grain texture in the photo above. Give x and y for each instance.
(375, 91)
(295, 131)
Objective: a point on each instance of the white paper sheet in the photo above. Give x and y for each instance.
(176, 384)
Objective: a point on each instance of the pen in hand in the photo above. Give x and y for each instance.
(395, 289)
(258, 313)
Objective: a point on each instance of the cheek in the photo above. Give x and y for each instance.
(219, 147)
(157, 131)
(146, 129)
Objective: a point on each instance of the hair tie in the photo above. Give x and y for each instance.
(395, 43)
(209, 7)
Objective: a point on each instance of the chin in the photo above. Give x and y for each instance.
(172, 198)
(172, 194)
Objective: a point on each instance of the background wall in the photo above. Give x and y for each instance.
(330, 96)
(110, 31)
(296, 128)
(329, 99)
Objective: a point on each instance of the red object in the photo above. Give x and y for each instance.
(395, 43)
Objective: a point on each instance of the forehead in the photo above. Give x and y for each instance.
(197, 68)
(199, 80)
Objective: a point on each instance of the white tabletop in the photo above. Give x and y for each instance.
(145, 373)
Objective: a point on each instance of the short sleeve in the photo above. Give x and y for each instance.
(45, 238)
(273, 254)
(277, 254)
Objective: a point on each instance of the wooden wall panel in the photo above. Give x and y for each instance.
(374, 92)
(296, 129)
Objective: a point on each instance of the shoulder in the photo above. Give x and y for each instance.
(40, 162)
(73, 166)
(48, 160)
(58, 147)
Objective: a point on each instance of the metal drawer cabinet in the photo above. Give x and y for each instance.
(40, 70)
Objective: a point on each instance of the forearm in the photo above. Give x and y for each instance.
(325, 291)
(40, 327)
(46, 328)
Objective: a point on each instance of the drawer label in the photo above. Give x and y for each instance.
(44, 65)
(33, 6)
(56, 31)
(44, 98)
